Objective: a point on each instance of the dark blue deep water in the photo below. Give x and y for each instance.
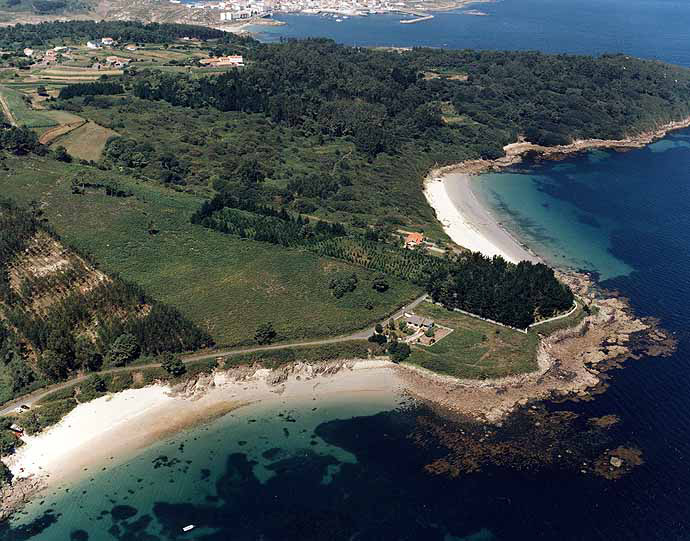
(362, 469)
(657, 29)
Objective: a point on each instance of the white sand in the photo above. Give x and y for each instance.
(113, 428)
(467, 222)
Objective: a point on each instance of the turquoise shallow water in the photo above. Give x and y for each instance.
(576, 213)
(123, 499)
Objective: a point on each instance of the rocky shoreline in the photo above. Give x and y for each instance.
(571, 362)
(515, 152)
(17, 494)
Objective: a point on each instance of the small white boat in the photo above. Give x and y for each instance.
(339, 20)
(188, 528)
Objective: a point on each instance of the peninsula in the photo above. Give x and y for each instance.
(191, 209)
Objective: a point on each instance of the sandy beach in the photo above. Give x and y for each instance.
(114, 427)
(467, 222)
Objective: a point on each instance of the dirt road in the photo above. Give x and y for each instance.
(6, 110)
(363, 334)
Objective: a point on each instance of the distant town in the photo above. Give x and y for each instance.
(243, 10)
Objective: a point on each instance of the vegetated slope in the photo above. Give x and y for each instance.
(224, 284)
(30, 35)
(59, 313)
(348, 133)
(383, 99)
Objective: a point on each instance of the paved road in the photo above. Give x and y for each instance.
(32, 398)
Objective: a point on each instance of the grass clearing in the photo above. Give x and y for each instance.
(22, 111)
(475, 349)
(223, 283)
(86, 142)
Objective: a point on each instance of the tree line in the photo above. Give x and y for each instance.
(47, 33)
(381, 99)
(100, 88)
(110, 323)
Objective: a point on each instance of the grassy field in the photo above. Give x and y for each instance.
(228, 285)
(86, 142)
(475, 349)
(23, 113)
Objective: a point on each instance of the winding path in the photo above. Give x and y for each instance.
(6, 110)
(31, 398)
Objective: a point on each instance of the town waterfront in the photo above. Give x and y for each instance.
(356, 467)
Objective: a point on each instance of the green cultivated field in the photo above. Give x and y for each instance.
(228, 285)
(475, 349)
(23, 114)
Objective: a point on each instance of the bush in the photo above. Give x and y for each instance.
(92, 388)
(5, 475)
(399, 351)
(124, 349)
(265, 334)
(173, 365)
(378, 339)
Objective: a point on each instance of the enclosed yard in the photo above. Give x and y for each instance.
(475, 349)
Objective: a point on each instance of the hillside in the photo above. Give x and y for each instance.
(278, 192)
(59, 313)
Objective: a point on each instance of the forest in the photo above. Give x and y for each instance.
(75, 318)
(43, 34)
(99, 88)
(382, 99)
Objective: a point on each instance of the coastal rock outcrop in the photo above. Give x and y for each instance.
(571, 362)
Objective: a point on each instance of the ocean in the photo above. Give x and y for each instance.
(380, 469)
(655, 29)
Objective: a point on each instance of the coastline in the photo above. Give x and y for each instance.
(469, 224)
(112, 429)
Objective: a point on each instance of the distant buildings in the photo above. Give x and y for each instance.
(98, 44)
(233, 60)
(117, 61)
(28, 52)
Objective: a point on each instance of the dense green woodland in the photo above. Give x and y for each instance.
(382, 99)
(44, 34)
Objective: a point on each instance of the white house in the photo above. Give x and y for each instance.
(93, 45)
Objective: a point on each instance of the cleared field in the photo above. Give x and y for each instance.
(86, 142)
(475, 349)
(23, 114)
(77, 72)
(226, 284)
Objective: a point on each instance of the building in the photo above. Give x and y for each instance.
(93, 44)
(117, 61)
(131, 47)
(419, 322)
(28, 52)
(413, 240)
(233, 60)
(108, 41)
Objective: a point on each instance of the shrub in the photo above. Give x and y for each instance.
(173, 365)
